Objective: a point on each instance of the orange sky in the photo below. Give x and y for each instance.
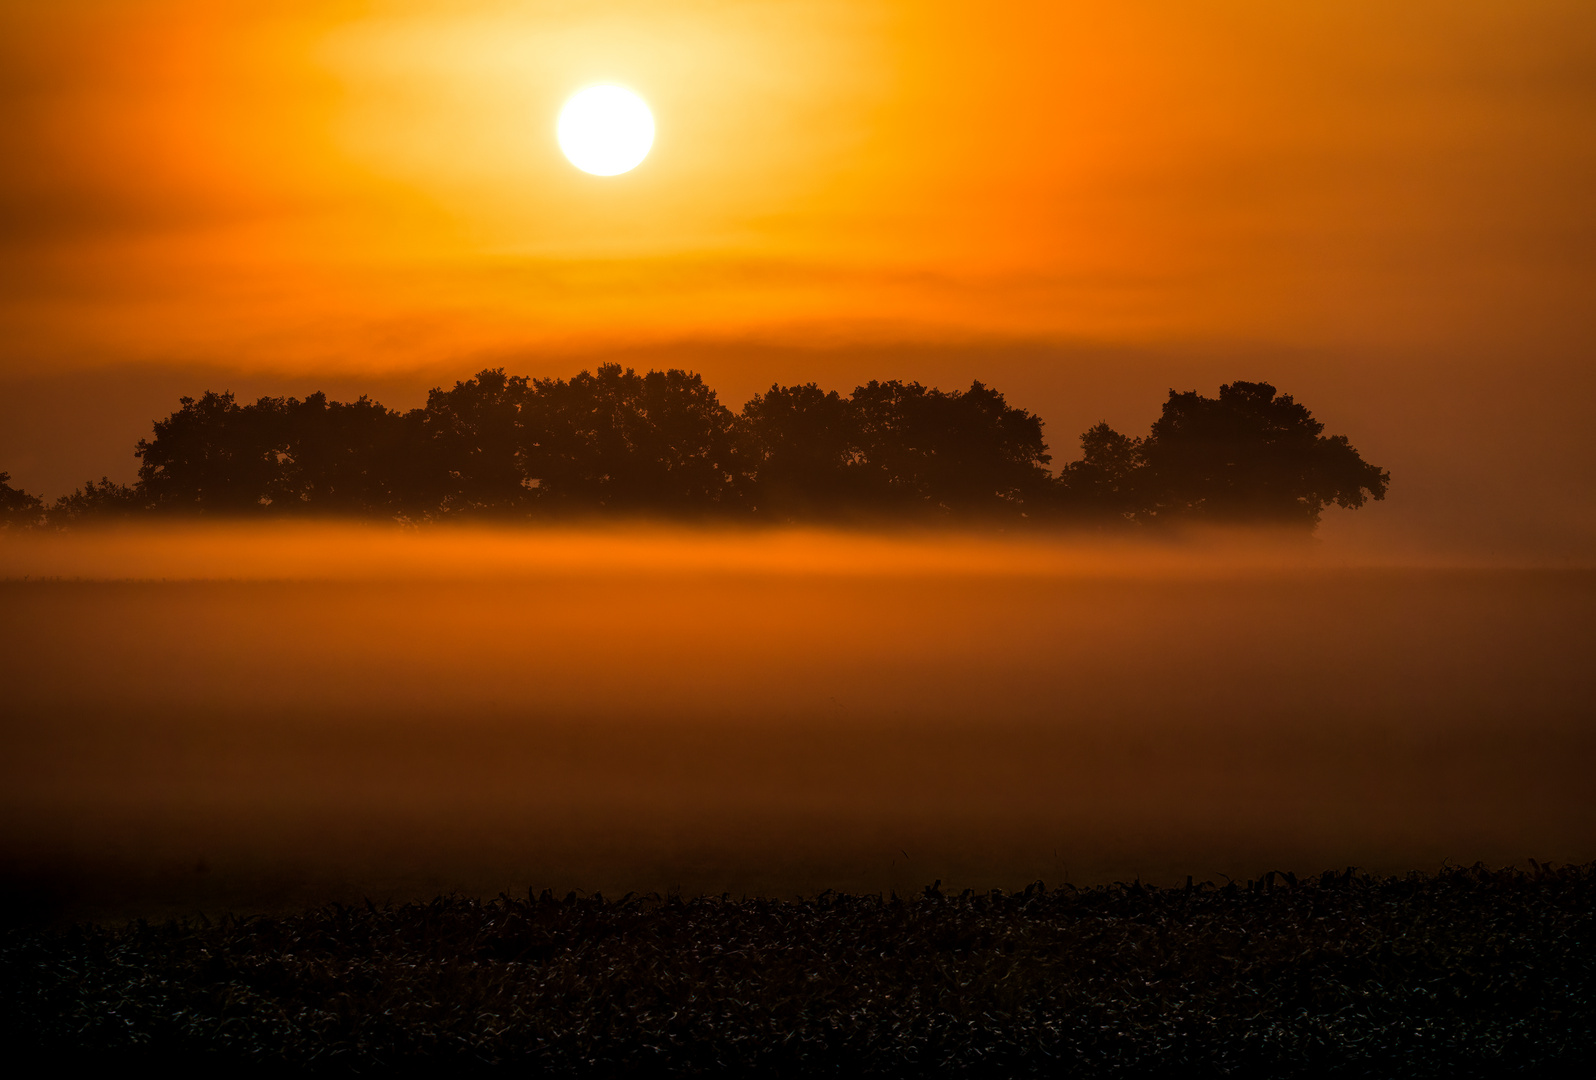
(370, 185)
(347, 191)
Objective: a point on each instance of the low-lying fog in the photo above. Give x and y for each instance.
(248, 718)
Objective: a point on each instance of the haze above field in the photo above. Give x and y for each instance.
(1383, 211)
(259, 717)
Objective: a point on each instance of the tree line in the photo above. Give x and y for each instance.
(613, 441)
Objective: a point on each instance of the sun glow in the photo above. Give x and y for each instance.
(606, 130)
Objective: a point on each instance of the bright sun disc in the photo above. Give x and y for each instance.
(606, 130)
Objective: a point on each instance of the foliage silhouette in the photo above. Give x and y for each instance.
(802, 444)
(1250, 455)
(97, 501)
(962, 453)
(466, 449)
(893, 447)
(18, 509)
(278, 454)
(615, 441)
(1104, 482)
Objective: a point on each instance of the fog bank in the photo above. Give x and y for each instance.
(300, 714)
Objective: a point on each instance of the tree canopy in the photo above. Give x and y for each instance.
(18, 509)
(661, 443)
(1249, 455)
(892, 447)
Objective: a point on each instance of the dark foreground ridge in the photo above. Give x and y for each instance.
(1470, 972)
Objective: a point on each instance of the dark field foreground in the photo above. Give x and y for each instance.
(1470, 972)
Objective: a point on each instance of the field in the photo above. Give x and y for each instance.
(319, 714)
(1467, 973)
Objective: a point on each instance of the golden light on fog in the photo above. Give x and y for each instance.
(606, 130)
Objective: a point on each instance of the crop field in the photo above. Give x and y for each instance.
(1465, 973)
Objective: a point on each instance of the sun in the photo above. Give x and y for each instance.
(606, 130)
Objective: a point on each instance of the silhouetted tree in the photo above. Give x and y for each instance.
(662, 443)
(802, 447)
(471, 457)
(337, 457)
(1105, 482)
(276, 456)
(1249, 455)
(954, 453)
(212, 455)
(99, 501)
(616, 440)
(18, 509)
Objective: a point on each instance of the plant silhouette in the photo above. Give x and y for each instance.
(613, 441)
(1249, 455)
(18, 509)
(895, 448)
